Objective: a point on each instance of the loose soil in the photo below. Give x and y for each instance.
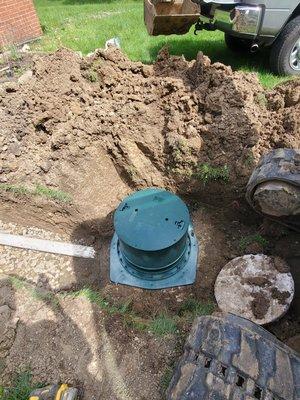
(98, 128)
(280, 296)
(260, 305)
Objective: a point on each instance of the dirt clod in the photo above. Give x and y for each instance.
(280, 296)
(280, 265)
(260, 305)
(257, 281)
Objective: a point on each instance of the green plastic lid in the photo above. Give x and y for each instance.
(151, 219)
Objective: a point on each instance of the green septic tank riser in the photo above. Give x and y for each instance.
(154, 245)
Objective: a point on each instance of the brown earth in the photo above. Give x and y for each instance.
(280, 296)
(143, 125)
(98, 128)
(70, 340)
(260, 305)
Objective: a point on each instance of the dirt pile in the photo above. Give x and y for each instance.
(88, 124)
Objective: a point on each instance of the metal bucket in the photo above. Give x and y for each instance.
(167, 17)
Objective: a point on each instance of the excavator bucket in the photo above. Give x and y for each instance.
(167, 17)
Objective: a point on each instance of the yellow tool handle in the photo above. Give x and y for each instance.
(61, 391)
(54, 392)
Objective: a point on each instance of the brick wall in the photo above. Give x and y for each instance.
(18, 22)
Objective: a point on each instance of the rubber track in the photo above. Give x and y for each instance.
(228, 357)
(279, 165)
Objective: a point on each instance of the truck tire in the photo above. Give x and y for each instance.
(236, 44)
(228, 357)
(285, 52)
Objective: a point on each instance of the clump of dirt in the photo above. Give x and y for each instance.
(284, 105)
(113, 122)
(260, 305)
(280, 296)
(254, 248)
(257, 281)
(280, 265)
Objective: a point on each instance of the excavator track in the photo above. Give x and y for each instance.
(277, 175)
(229, 357)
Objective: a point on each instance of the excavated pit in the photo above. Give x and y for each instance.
(91, 131)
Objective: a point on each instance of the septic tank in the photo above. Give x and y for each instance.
(154, 245)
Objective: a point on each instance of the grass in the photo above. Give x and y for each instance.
(95, 298)
(21, 387)
(195, 308)
(84, 25)
(163, 325)
(53, 194)
(256, 238)
(160, 326)
(208, 173)
(166, 378)
(39, 190)
(34, 292)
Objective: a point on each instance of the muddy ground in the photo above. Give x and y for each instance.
(92, 130)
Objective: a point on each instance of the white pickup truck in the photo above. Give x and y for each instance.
(249, 25)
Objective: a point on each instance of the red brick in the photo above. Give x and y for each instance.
(18, 21)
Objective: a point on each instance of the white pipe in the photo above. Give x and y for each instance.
(47, 246)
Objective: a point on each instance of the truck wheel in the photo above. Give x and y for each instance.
(236, 44)
(285, 52)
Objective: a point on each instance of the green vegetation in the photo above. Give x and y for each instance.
(11, 53)
(34, 292)
(95, 297)
(194, 308)
(52, 194)
(16, 189)
(163, 325)
(249, 160)
(166, 378)
(84, 25)
(39, 190)
(92, 76)
(207, 173)
(261, 99)
(21, 387)
(256, 238)
(159, 326)
(14, 53)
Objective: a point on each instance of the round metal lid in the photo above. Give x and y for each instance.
(151, 219)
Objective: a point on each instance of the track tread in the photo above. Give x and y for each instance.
(232, 358)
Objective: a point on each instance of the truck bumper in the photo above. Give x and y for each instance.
(240, 19)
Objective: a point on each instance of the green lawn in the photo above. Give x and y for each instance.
(86, 24)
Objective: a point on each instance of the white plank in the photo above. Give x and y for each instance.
(47, 246)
